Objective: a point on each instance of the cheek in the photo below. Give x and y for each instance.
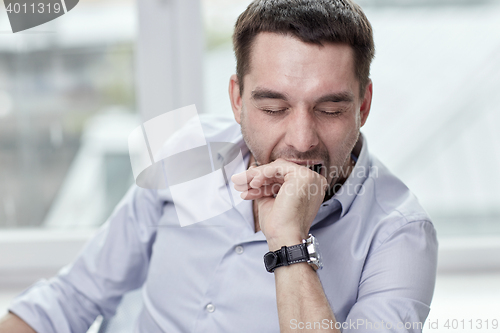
(262, 135)
(335, 130)
(351, 122)
(258, 122)
(337, 135)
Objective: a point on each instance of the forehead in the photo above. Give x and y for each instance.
(283, 61)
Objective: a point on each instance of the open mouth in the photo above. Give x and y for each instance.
(317, 168)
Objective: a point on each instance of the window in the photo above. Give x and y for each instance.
(63, 86)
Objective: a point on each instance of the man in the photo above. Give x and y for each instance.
(301, 94)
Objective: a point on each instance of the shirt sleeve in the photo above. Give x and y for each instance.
(113, 262)
(397, 283)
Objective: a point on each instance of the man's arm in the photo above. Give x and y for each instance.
(11, 323)
(113, 262)
(288, 197)
(301, 299)
(397, 282)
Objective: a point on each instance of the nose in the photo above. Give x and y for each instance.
(301, 131)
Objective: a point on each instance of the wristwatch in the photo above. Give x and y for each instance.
(308, 252)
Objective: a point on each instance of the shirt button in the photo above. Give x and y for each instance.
(210, 307)
(239, 249)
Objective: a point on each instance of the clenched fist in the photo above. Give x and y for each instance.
(288, 197)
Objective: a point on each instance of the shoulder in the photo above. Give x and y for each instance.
(214, 127)
(393, 196)
(220, 128)
(393, 206)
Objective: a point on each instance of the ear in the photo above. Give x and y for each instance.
(235, 98)
(364, 110)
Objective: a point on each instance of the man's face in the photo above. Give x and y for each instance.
(300, 102)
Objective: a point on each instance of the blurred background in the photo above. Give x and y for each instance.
(73, 89)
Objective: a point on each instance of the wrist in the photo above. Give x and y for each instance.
(306, 251)
(276, 243)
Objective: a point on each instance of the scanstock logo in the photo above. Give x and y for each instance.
(170, 151)
(26, 14)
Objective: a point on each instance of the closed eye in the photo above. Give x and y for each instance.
(331, 113)
(275, 111)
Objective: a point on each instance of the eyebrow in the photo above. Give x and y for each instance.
(343, 96)
(260, 93)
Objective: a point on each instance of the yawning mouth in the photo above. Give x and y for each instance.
(317, 168)
(312, 165)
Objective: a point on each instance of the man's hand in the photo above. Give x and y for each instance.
(12, 323)
(288, 197)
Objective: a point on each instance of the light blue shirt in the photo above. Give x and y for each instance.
(378, 245)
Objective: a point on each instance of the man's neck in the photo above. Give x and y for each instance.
(255, 210)
(346, 171)
(337, 183)
(255, 216)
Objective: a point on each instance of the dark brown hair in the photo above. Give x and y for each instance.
(312, 21)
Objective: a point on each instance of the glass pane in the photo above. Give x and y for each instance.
(67, 102)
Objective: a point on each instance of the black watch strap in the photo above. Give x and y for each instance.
(285, 256)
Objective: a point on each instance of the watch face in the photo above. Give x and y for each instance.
(315, 259)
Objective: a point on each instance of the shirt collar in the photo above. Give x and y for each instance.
(225, 152)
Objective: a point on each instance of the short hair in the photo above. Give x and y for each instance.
(311, 21)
